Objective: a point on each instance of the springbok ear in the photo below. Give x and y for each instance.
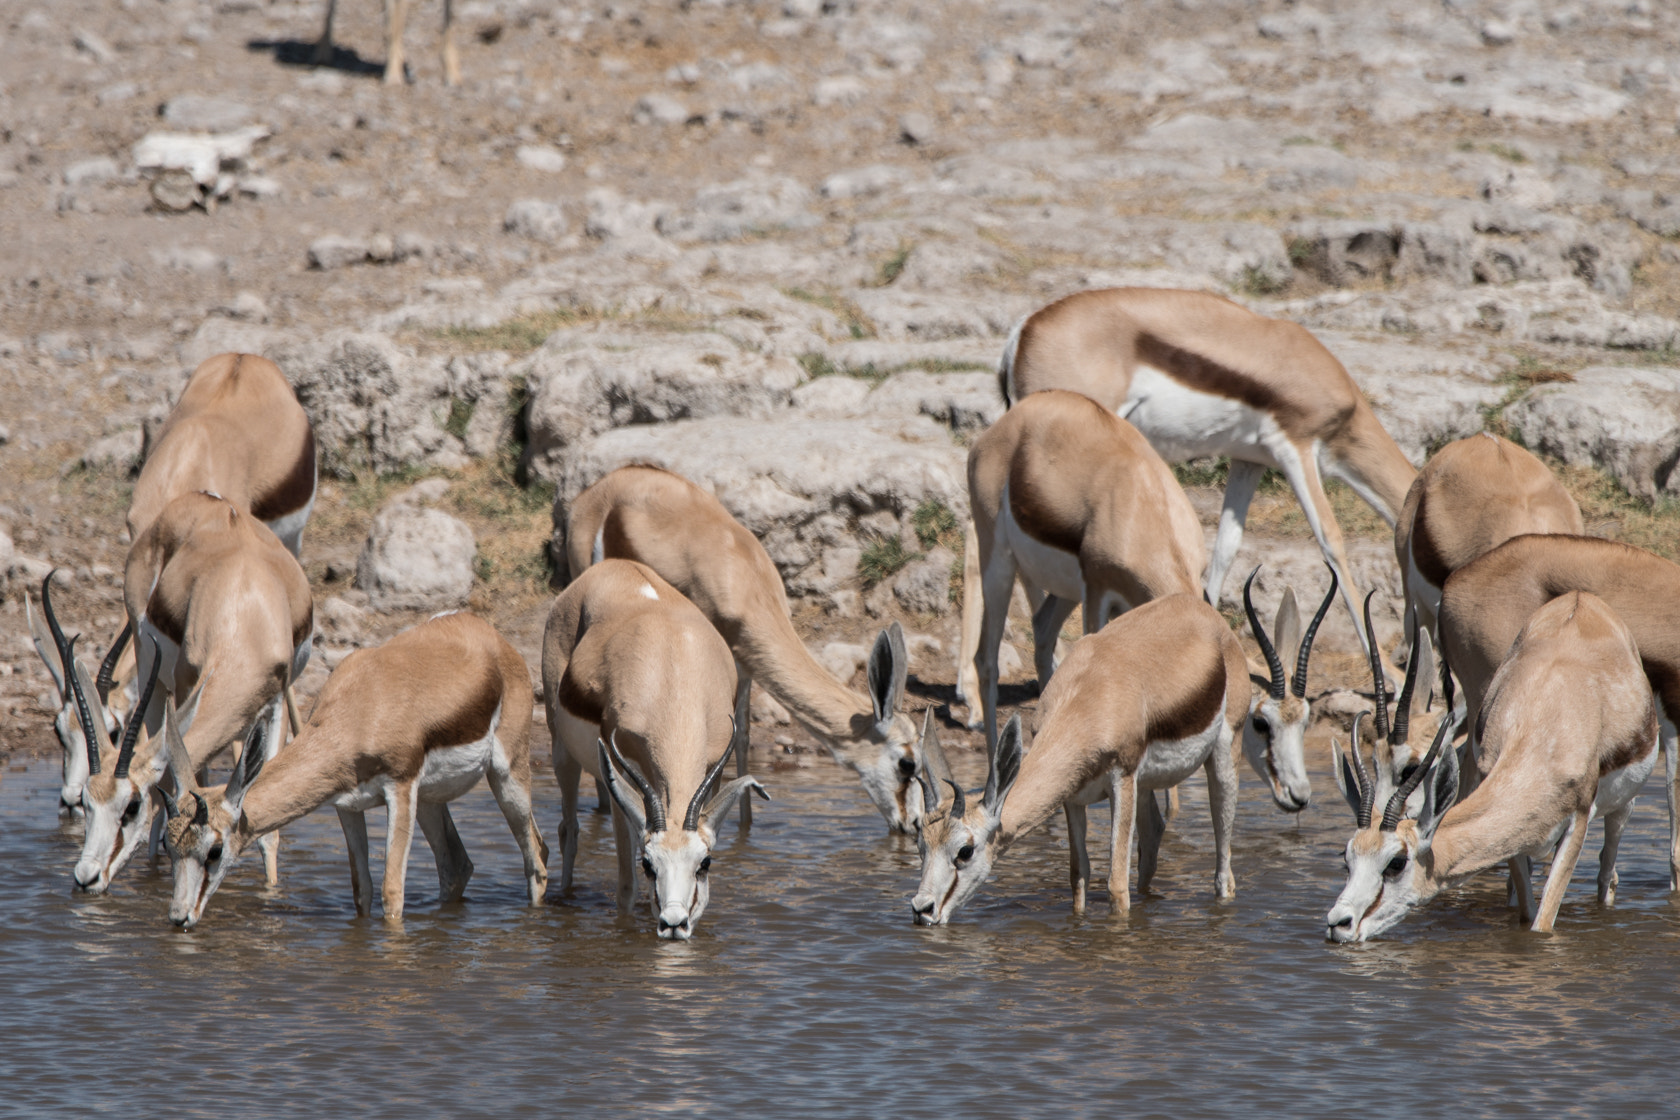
(1342, 769)
(889, 666)
(1006, 764)
(1440, 787)
(724, 800)
(1287, 629)
(251, 760)
(621, 797)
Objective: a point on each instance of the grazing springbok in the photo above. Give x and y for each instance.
(1274, 735)
(1200, 375)
(410, 725)
(66, 725)
(1571, 723)
(224, 608)
(663, 520)
(396, 16)
(1392, 756)
(1472, 496)
(1136, 707)
(1485, 605)
(639, 688)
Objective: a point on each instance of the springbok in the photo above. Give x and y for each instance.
(638, 687)
(1136, 707)
(1200, 375)
(224, 608)
(411, 725)
(1392, 756)
(396, 16)
(663, 520)
(1472, 496)
(1572, 725)
(1485, 605)
(66, 725)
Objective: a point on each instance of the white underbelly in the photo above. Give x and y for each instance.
(289, 527)
(1184, 423)
(1618, 787)
(1168, 762)
(1046, 567)
(447, 773)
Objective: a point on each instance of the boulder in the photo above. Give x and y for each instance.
(924, 585)
(536, 219)
(727, 211)
(416, 558)
(1425, 396)
(580, 390)
(1623, 420)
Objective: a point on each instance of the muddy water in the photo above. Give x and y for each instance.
(807, 990)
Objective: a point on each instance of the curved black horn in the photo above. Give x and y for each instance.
(1367, 787)
(108, 667)
(654, 812)
(930, 791)
(1299, 685)
(1403, 706)
(1377, 680)
(959, 803)
(131, 733)
(52, 624)
(89, 736)
(1396, 807)
(171, 808)
(691, 819)
(1273, 661)
(201, 814)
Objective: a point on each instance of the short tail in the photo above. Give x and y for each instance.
(1006, 364)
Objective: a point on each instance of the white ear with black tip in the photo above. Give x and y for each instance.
(889, 668)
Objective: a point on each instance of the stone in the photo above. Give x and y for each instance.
(578, 390)
(916, 128)
(540, 157)
(924, 585)
(200, 156)
(536, 219)
(729, 211)
(843, 659)
(339, 621)
(1622, 420)
(100, 169)
(863, 181)
(337, 251)
(1345, 251)
(416, 558)
(118, 452)
(200, 113)
(844, 90)
(659, 108)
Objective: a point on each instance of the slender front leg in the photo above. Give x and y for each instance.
(269, 843)
(1521, 888)
(1557, 879)
(627, 851)
(567, 773)
(968, 680)
(511, 787)
(997, 584)
(1222, 782)
(1079, 859)
(454, 867)
(743, 737)
(354, 825)
(1240, 484)
(1671, 755)
(1613, 825)
(322, 52)
(1047, 624)
(396, 14)
(451, 58)
(1122, 792)
(1172, 802)
(401, 802)
(1150, 826)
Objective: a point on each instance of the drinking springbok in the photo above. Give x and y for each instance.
(1571, 723)
(411, 725)
(1136, 707)
(73, 772)
(663, 520)
(638, 687)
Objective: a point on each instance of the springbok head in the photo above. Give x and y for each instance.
(677, 861)
(1275, 732)
(1385, 877)
(882, 747)
(958, 839)
(65, 724)
(1392, 756)
(116, 800)
(202, 832)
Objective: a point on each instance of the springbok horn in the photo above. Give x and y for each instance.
(1396, 807)
(1377, 680)
(1403, 706)
(131, 733)
(959, 804)
(1273, 662)
(654, 812)
(691, 819)
(108, 667)
(92, 734)
(201, 814)
(171, 809)
(52, 624)
(1367, 788)
(180, 762)
(1299, 685)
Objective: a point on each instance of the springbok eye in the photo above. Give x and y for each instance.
(965, 853)
(647, 866)
(132, 811)
(1395, 866)
(215, 855)
(1262, 725)
(705, 865)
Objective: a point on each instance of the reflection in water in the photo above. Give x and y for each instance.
(807, 986)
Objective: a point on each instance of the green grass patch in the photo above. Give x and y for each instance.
(884, 559)
(460, 415)
(893, 266)
(857, 324)
(519, 335)
(937, 526)
(1259, 282)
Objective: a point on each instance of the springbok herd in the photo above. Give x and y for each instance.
(1562, 650)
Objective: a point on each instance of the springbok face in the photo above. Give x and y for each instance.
(1274, 735)
(1386, 876)
(959, 842)
(1392, 752)
(884, 753)
(201, 833)
(117, 804)
(65, 724)
(676, 861)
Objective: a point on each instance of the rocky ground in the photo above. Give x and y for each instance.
(777, 245)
